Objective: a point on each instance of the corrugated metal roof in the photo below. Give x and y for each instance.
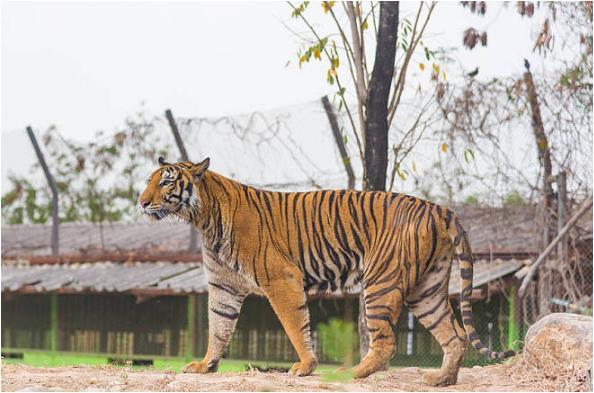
(509, 229)
(104, 277)
(485, 271)
(169, 276)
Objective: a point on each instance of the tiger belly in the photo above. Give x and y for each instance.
(346, 281)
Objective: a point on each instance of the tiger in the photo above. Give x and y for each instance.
(283, 245)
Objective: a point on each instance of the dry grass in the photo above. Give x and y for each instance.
(548, 373)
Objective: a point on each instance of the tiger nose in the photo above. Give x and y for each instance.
(144, 204)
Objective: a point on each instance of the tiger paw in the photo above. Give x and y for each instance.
(439, 378)
(304, 368)
(196, 367)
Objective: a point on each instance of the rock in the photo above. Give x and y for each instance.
(562, 340)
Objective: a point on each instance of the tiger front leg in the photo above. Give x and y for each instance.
(224, 304)
(287, 297)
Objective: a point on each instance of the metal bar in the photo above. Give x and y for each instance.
(344, 155)
(571, 306)
(175, 131)
(54, 189)
(133, 256)
(106, 256)
(191, 330)
(139, 292)
(553, 244)
(184, 155)
(93, 354)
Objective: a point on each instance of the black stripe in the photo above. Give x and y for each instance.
(224, 288)
(231, 316)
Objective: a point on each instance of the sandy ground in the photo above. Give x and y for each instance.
(108, 378)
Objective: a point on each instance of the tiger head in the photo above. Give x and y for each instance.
(172, 190)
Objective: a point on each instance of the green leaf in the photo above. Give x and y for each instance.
(468, 155)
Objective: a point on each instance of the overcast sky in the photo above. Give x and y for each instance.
(85, 66)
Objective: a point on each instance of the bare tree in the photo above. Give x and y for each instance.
(378, 94)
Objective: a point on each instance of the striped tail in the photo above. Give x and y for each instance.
(464, 255)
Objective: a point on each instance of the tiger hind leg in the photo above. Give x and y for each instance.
(383, 304)
(429, 302)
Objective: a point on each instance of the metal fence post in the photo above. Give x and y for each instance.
(54, 189)
(346, 161)
(184, 155)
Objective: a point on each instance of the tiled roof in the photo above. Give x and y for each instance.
(34, 239)
(513, 229)
(168, 277)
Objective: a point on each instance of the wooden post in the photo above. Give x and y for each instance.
(184, 155)
(191, 329)
(53, 188)
(543, 149)
(562, 248)
(344, 155)
(53, 324)
(544, 157)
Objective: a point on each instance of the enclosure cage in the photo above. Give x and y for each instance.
(117, 326)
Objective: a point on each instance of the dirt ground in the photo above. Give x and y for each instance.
(108, 378)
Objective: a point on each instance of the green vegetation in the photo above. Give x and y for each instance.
(513, 199)
(471, 200)
(46, 359)
(339, 340)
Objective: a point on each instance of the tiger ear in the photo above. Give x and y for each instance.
(162, 161)
(198, 170)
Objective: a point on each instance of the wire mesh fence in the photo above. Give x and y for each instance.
(116, 326)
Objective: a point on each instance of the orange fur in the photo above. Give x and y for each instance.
(398, 247)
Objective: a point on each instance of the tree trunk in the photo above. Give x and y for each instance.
(542, 142)
(376, 123)
(544, 281)
(376, 107)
